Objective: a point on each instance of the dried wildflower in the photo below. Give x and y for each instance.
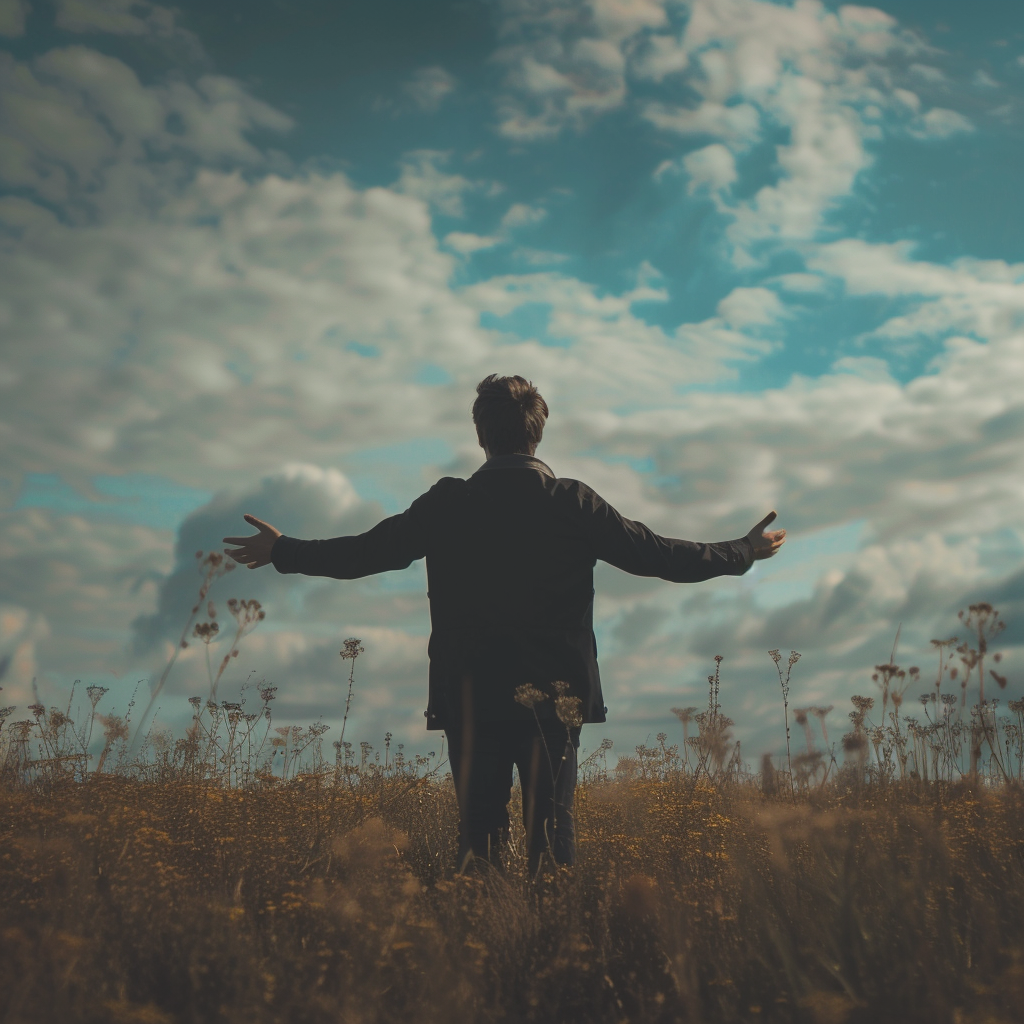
(114, 728)
(569, 711)
(37, 709)
(528, 695)
(267, 694)
(352, 648)
(206, 631)
(561, 687)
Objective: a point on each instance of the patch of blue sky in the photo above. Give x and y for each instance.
(244, 374)
(808, 557)
(142, 498)
(955, 197)
(367, 351)
(392, 474)
(433, 375)
(641, 464)
(530, 321)
(824, 328)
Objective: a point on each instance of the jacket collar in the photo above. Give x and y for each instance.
(517, 462)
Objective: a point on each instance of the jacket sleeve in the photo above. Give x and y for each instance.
(394, 543)
(635, 549)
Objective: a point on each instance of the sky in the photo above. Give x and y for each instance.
(754, 255)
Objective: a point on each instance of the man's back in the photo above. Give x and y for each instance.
(510, 556)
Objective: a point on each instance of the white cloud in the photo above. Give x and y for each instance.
(465, 243)
(801, 283)
(522, 215)
(12, 17)
(927, 73)
(423, 178)
(78, 127)
(713, 167)
(566, 62)
(745, 307)
(120, 17)
(981, 297)
(738, 123)
(428, 88)
(939, 123)
(828, 79)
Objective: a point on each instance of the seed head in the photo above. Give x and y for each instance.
(528, 695)
(569, 711)
(352, 649)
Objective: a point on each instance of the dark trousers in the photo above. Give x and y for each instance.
(481, 757)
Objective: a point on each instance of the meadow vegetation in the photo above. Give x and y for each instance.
(242, 872)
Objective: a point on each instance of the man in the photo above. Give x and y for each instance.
(510, 555)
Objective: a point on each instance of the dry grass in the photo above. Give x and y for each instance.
(173, 901)
(236, 874)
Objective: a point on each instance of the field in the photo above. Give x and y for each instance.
(236, 874)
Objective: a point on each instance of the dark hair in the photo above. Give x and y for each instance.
(509, 415)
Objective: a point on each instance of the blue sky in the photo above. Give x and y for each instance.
(753, 254)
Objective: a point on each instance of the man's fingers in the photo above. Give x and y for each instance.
(768, 520)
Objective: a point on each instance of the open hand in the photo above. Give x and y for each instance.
(255, 551)
(766, 544)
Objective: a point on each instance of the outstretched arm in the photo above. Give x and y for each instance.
(393, 543)
(634, 548)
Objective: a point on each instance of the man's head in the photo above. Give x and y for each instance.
(509, 415)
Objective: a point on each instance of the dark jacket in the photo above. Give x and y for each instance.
(510, 579)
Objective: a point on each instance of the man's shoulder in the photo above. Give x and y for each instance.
(576, 488)
(446, 487)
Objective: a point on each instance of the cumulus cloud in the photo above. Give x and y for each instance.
(829, 81)
(522, 215)
(428, 88)
(119, 17)
(564, 61)
(465, 242)
(423, 177)
(939, 123)
(712, 167)
(78, 127)
(12, 17)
